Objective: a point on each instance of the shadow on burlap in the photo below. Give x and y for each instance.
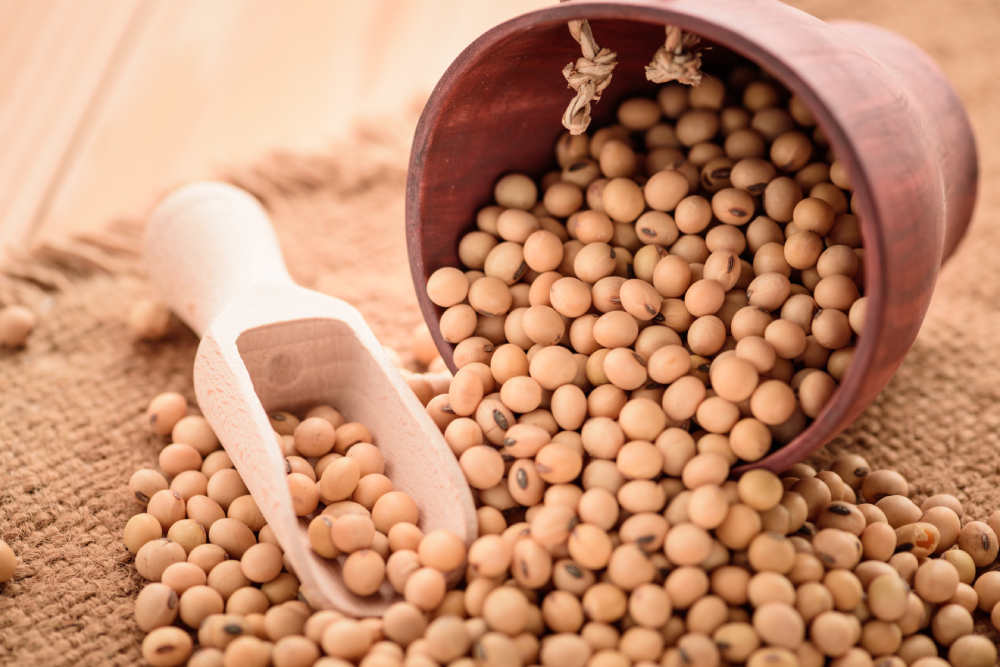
(71, 426)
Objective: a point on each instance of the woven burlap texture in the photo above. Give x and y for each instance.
(71, 403)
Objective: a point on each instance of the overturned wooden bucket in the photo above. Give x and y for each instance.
(884, 106)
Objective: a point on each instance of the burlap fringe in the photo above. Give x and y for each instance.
(588, 76)
(387, 142)
(52, 266)
(675, 60)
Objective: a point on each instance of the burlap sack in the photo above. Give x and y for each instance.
(71, 404)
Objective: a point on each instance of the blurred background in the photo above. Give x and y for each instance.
(104, 104)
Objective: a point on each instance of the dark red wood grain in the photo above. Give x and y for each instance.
(887, 110)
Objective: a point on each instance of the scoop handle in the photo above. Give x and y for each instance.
(206, 243)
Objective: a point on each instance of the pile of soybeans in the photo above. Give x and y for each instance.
(836, 567)
(684, 294)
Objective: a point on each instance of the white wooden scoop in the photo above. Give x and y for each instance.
(268, 345)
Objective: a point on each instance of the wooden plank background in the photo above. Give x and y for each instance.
(105, 103)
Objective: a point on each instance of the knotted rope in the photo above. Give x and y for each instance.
(588, 76)
(675, 61)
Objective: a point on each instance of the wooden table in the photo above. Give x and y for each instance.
(105, 104)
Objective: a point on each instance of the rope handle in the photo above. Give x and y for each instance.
(588, 76)
(675, 60)
(591, 73)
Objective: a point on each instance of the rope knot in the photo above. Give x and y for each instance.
(588, 76)
(675, 61)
